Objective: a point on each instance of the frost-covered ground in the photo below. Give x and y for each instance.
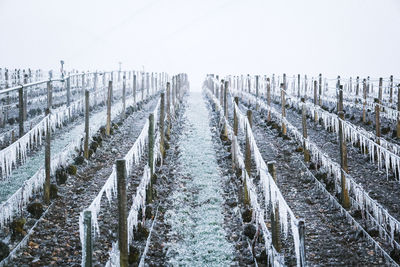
(56, 239)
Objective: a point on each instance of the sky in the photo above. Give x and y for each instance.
(336, 37)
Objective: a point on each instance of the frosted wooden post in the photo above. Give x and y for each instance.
(302, 245)
(49, 94)
(86, 143)
(68, 91)
(87, 224)
(226, 99)
(357, 88)
(269, 99)
(151, 157)
(257, 94)
(217, 90)
(169, 109)
(298, 85)
(315, 102)
(162, 118)
(364, 114)
(221, 95)
(147, 84)
(108, 125)
(391, 89)
(142, 86)
(377, 120)
(304, 124)
(134, 88)
(247, 161)
(8, 98)
(122, 218)
(47, 164)
(275, 226)
(123, 96)
(83, 84)
(283, 101)
(343, 154)
(320, 89)
(398, 111)
(235, 118)
(21, 110)
(380, 90)
(25, 102)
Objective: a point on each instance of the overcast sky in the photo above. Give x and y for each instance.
(337, 37)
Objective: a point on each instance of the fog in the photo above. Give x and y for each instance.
(341, 37)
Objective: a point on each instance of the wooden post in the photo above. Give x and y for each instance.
(302, 245)
(364, 115)
(147, 84)
(343, 153)
(21, 110)
(235, 118)
(68, 91)
(298, 85)
(83, 84)
(134, 88)
(49, 95)
(8, 98)
(380, 91)
(247, 159)
(86, 143)
(275, 225)
(142, 86)
(304, 123)
(221, 95)
(257, 94)
(47, 159)
(169, 110)
(377, 120)
(226, 99)
(149, 192)
(357, 86)
(87, 224)
(283, 101)
(320, 89)
(398, 112)
(108, 125)
(315, 102)
(122, 218)
(269, 99)
(25, 103)
(162, 118)
(391, 89)
(123, 96)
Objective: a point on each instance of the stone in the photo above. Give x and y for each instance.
(61, 176)
(17, 227)
(247, 215)
(35, 209)
(4, 251)
(71, 169)
(249, 230)
(141, 233)
(94, 145)
(79, 160)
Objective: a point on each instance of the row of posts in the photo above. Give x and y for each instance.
(165, 111)
(275, 224)
(317, 99)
